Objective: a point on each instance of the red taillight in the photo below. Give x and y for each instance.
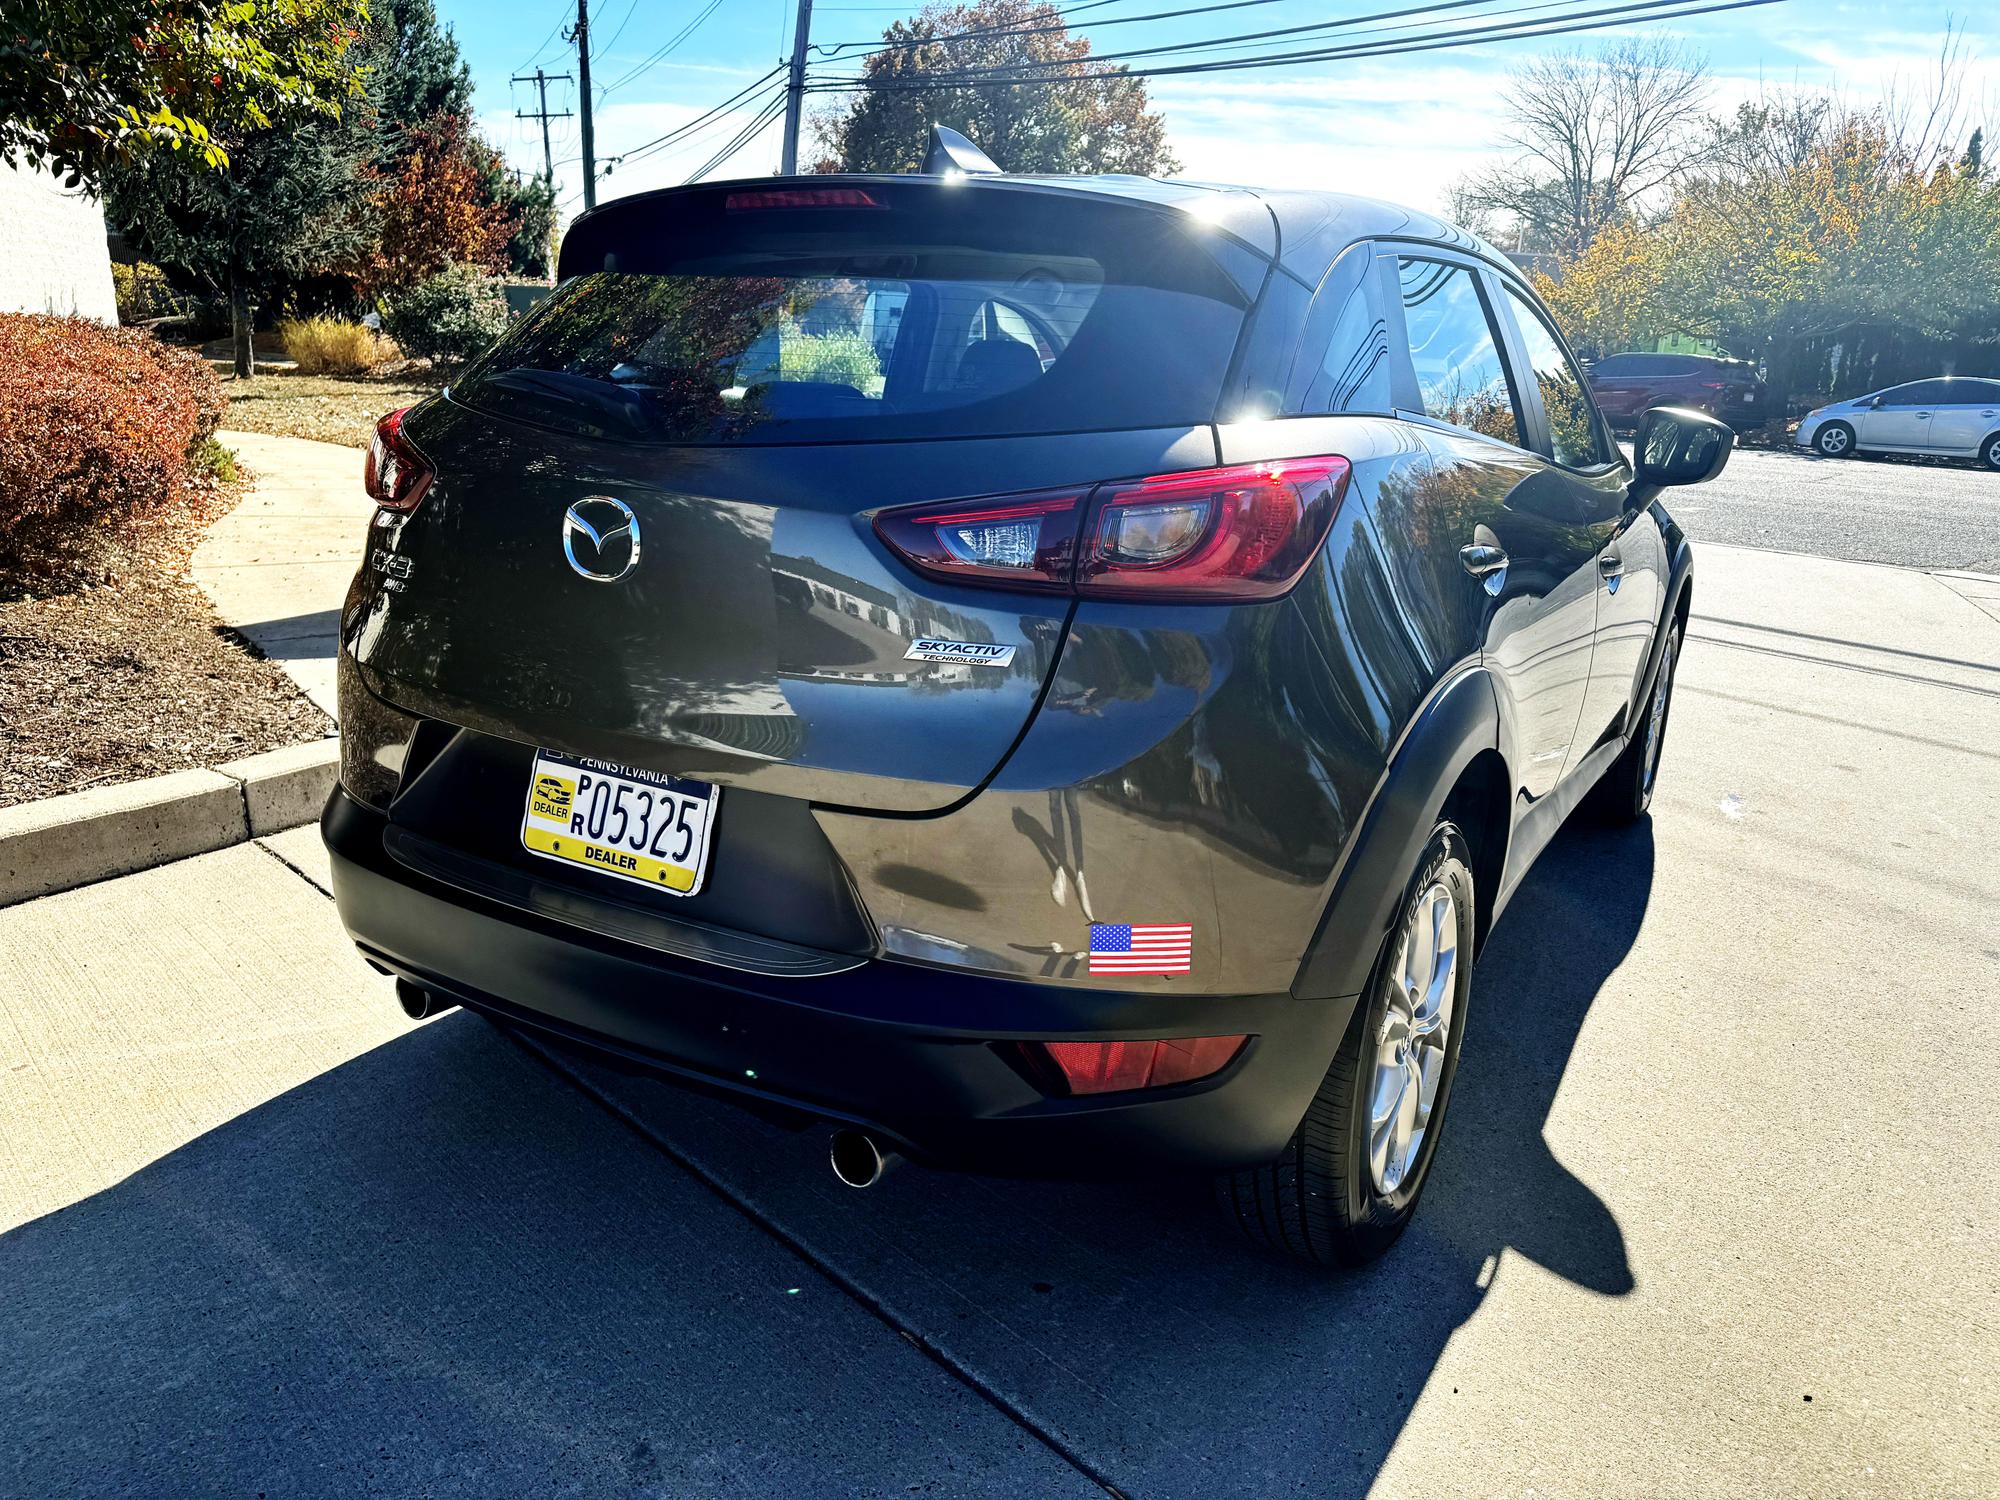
(1111, 1067)
(1242, 532)
(1713, 385)
(397, 475)
(827, 197)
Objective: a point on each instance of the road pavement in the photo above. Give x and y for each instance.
(1917, 513)
(1715, 1213)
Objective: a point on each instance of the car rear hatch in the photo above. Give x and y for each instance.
(645, 535)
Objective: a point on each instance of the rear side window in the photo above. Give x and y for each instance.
(1631, 366)
(915, 317)
(1350, 370)
(1457, 358)
(1916, 393)
(1575, 436)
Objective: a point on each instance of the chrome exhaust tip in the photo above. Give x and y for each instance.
(858, 1160)
(420, 1004)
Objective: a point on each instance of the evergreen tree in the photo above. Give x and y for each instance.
(285, 208)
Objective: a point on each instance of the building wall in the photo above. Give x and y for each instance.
(52, 252)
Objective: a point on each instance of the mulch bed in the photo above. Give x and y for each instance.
(121, 670)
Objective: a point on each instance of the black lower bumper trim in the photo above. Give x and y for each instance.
(904, 1050)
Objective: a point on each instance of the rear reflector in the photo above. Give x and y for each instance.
(1243, 532)
(829, 197)
(1112, 1067)
(396, 475)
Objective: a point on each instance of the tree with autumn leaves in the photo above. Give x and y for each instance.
(1819, 240)
(1089, 116)
(376, 193)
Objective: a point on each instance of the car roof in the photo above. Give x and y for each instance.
(1304, 231)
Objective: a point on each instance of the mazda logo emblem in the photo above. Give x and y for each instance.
(600, 537)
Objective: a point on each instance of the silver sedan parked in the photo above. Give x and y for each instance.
(1951, 417)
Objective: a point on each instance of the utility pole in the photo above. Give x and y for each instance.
(582, 38)
(541, 81)
(795, 87)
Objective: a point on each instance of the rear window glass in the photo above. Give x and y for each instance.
(812, 327)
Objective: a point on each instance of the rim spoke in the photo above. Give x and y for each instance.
(1390, 1082)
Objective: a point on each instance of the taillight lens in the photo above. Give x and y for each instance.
(397, 475)
(1025, 541)
(1113, 1067)
(1242, 532)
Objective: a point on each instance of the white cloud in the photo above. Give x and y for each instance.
(1386, 132)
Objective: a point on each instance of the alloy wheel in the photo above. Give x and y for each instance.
(1833, 442)
(1410, 1044)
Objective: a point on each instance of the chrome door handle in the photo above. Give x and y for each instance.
(1610, 565)
(1487, 563)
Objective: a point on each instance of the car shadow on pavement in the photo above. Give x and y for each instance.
(439, 1268)
(292, 637)
(1130, 1324)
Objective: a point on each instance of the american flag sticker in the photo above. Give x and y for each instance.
(1133, 948)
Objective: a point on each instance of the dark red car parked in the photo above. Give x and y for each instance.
(1627, 385)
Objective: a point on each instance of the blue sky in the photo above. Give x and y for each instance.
(1395, 127)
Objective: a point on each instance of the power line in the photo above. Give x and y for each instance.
(743, 138)
(646, 148)
(674, 147)
(653, 60)
(882, 45)
(1423, 42)
(562, 15)
(605, 50)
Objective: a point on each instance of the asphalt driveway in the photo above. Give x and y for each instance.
(1715, 1213)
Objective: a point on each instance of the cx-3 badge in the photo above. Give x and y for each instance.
(600, 537)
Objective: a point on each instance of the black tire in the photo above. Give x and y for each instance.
(1624, 794)
(1834, 440)
(1320, 1201)
(1989, 450)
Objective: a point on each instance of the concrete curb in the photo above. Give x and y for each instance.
(62, 842)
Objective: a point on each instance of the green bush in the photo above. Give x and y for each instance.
(841, 356)
(447, 318)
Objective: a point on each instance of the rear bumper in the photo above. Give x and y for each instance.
(914, 1053)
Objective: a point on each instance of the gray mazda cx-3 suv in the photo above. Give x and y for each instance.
(1048, 675)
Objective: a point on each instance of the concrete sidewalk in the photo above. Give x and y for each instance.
(278, 565)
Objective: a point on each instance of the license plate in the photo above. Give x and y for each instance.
(641, 826)
(1749, 396)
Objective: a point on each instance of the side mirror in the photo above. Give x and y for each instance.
(1678, 446)
(1874, 403)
